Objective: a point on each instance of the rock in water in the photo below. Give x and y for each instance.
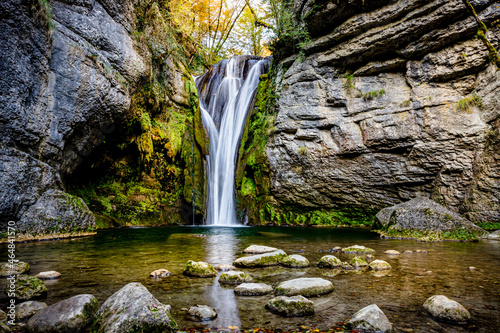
(19, 267)
(379, 265)
(443, 308)
(295, 306)
(28, 287)
(253, 289)
(201, 313)
(305, 287)
(74, 314)
(159, 273)
(133, 309)
(370, 318)
(234, 277)
(358, 249)
(494, 235)
(199, 269)
(49, 275)
(329, 262)
(295, 261)
(225, 267)
(27, 309)
(392, 252)
(425, 219)
(259, 249)
(260, 260)
(358, 262)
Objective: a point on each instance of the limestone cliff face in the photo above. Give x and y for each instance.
(393, 99)
(67, 76)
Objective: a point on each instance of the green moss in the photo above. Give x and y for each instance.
(372, 94)
(199, 269)
(431, 236)
(469, 101)
(490, 226)
(302, 151)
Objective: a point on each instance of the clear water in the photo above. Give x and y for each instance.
(103, 264)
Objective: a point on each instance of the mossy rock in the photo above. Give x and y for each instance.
(358, 249)
(295, 261)
(329, 261)
(199, 269)
(259, 249)
(28, 287)
(234, 277)
(358, 262)
(17, 268)
(260, 260)
(305, 287)
(295, 306)
(379, 265)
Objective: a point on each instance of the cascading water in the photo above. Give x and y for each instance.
(226, 94)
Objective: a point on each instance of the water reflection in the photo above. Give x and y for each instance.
(221, 248)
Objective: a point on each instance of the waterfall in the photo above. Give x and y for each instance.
(226, 94)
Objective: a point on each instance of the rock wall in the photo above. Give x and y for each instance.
(390, 100)
(68, 73)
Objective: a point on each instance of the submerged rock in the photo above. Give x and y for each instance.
(295, 261)
(259, 249)
(443, 308)
(199, 269)
(295, 306)
(224, 267)
(358, 249)
(74, 314)
(253, 289)
(370, 318)
(358, 262)
(407, 252)
(49, 275)
(234, 277)
(329, 261)
(260, 260)
(27, 309)
(424, 219)
(159, 273)
(305, 287)
(19, 267)
(494, 235)
(379, 265)
(392, 252)
(201, 313)
(133, 309)
(331, 272)
(28, 287)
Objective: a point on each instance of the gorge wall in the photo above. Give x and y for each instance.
(390, 100)
(88, 86)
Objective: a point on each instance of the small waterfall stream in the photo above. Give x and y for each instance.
(226, 94)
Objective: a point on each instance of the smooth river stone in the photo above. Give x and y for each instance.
(379, 265)
(295, 261)
(234, 277)
(370, 318)
(201, 313)
(199, 269)
(19, 267)
(259, 249)
(260, 260)
(224, 267)
(392, 252)
(295, 306)
(27, 309)
(159, 273)
(329, 261)
(305, 287)
(443, 308)
(28, 287)
(358, 262)
(358, 249)
(49, 275)
(253, 289)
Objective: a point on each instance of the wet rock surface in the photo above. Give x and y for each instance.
(259, 249)
(370, 318)
(357, 249)
(74, 314)
(199, 269)
(295, 306)
(234, 277)
(379, 265)
(28, 287)
(329, 262)
(159, 273)
(443, 308)
(253, 289)
(16, 268)
(260, 260)
(49, 275)
(305, 287)
(27, 309)
(295, 261)
(201, 313)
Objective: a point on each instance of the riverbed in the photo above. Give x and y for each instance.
(102, 264)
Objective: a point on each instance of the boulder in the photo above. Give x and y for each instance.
(370, 318)
(329, 262)
(201, 313)
(424, 219)
(260, 260)
(234, 277)
(28, 287)
(295, 306)
(358, 262)
(253, 289)
(27, 309)
(443, 308)
(225, 267)
(379, 265)
(392, 252)
(74, 314)
(49, 275)
(19, 267)
(495, 235)
(199, 269)
(159, 273)
(259, 249)
(305, 287)
(133, 309)
(295, 261)
(358, 249)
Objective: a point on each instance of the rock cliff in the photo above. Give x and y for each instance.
(388, 101)
(71, 75)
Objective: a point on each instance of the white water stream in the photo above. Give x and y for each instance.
(229, 104)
